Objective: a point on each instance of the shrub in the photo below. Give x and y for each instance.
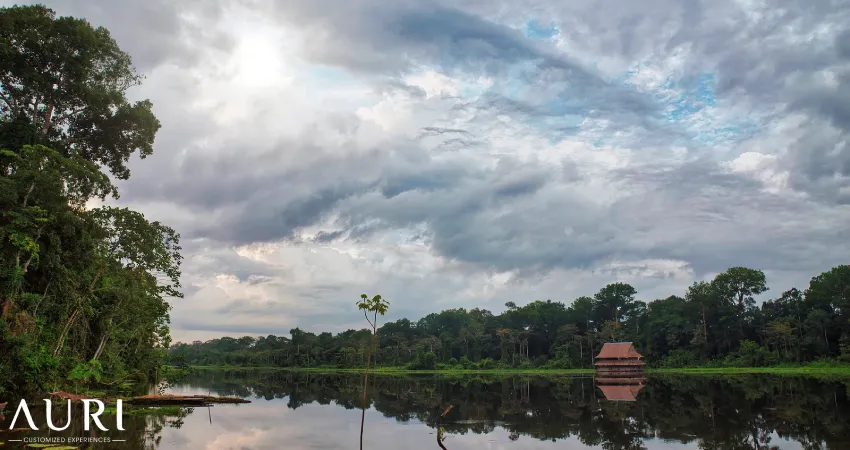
(424, 361)
(750, 354)
(486, 363)
(540, 361)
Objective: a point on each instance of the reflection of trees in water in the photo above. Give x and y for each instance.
(734, 412)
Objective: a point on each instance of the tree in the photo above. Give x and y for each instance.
(779, 334)
(611, 331)
(613, 302)
(740, 285)
(136, 244)
(68, 80)
(39, 181)
(98, 278)
(702, 326)
(375, 305)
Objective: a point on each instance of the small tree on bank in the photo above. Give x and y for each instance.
(376, 305)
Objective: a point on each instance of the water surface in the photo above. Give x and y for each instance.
(310, 411)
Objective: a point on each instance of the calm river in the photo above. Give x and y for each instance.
(312, 411)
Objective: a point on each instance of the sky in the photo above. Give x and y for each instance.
(447, 153)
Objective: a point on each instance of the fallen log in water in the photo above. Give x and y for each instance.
(183, 400)
(68, 396)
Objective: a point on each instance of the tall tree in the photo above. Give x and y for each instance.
(740, 285)
(375, 305)
(613, 302)
(68, 79)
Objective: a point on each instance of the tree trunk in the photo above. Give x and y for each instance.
(64, 333)
(592, 356)
(70, 321)
(366, 377)
(24, 203)
(826, 339)
(47, 118)
(580, 353)
(7, 306)
(102, 345)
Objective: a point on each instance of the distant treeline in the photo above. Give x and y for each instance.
(714, 323)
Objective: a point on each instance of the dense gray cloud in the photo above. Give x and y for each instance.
(155, 32)
(452, 153)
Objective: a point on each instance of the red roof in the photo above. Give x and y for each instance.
(621, 393)
(615, 363)
(617, 350)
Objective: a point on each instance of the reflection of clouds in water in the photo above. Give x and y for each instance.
(245, 439)
(273, 425)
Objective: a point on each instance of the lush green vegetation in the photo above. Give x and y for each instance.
(715, 324)
(812, 369)
(82, 290)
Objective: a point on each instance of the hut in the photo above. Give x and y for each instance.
(619, 360)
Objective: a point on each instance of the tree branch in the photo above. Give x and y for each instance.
(367, 318)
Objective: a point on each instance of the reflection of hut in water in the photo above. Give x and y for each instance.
(619, 360)
(619, 371)
(622, 392)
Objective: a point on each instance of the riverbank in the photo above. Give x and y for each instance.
(815, 369)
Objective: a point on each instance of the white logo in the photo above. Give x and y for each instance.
(87, 413)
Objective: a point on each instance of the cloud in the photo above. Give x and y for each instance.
(450, 154)
(156, 32)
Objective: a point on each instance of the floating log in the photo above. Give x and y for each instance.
(183, 400)
(68, 396)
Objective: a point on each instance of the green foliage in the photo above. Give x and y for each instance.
(845, 348)
(84, 372)
(83, 292)
(78, 76)
(750, 354)
(424, 361)
(713, 324)
(679, 358)
(375, 304)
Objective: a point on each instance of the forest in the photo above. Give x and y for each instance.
(83, 290)
(716, 323)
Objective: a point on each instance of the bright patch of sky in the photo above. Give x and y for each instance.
(691, 103)
(534, 29)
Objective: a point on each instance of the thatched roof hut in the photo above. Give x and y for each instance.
(619, 359)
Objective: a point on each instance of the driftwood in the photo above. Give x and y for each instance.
(67, 396)
(183, 400)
